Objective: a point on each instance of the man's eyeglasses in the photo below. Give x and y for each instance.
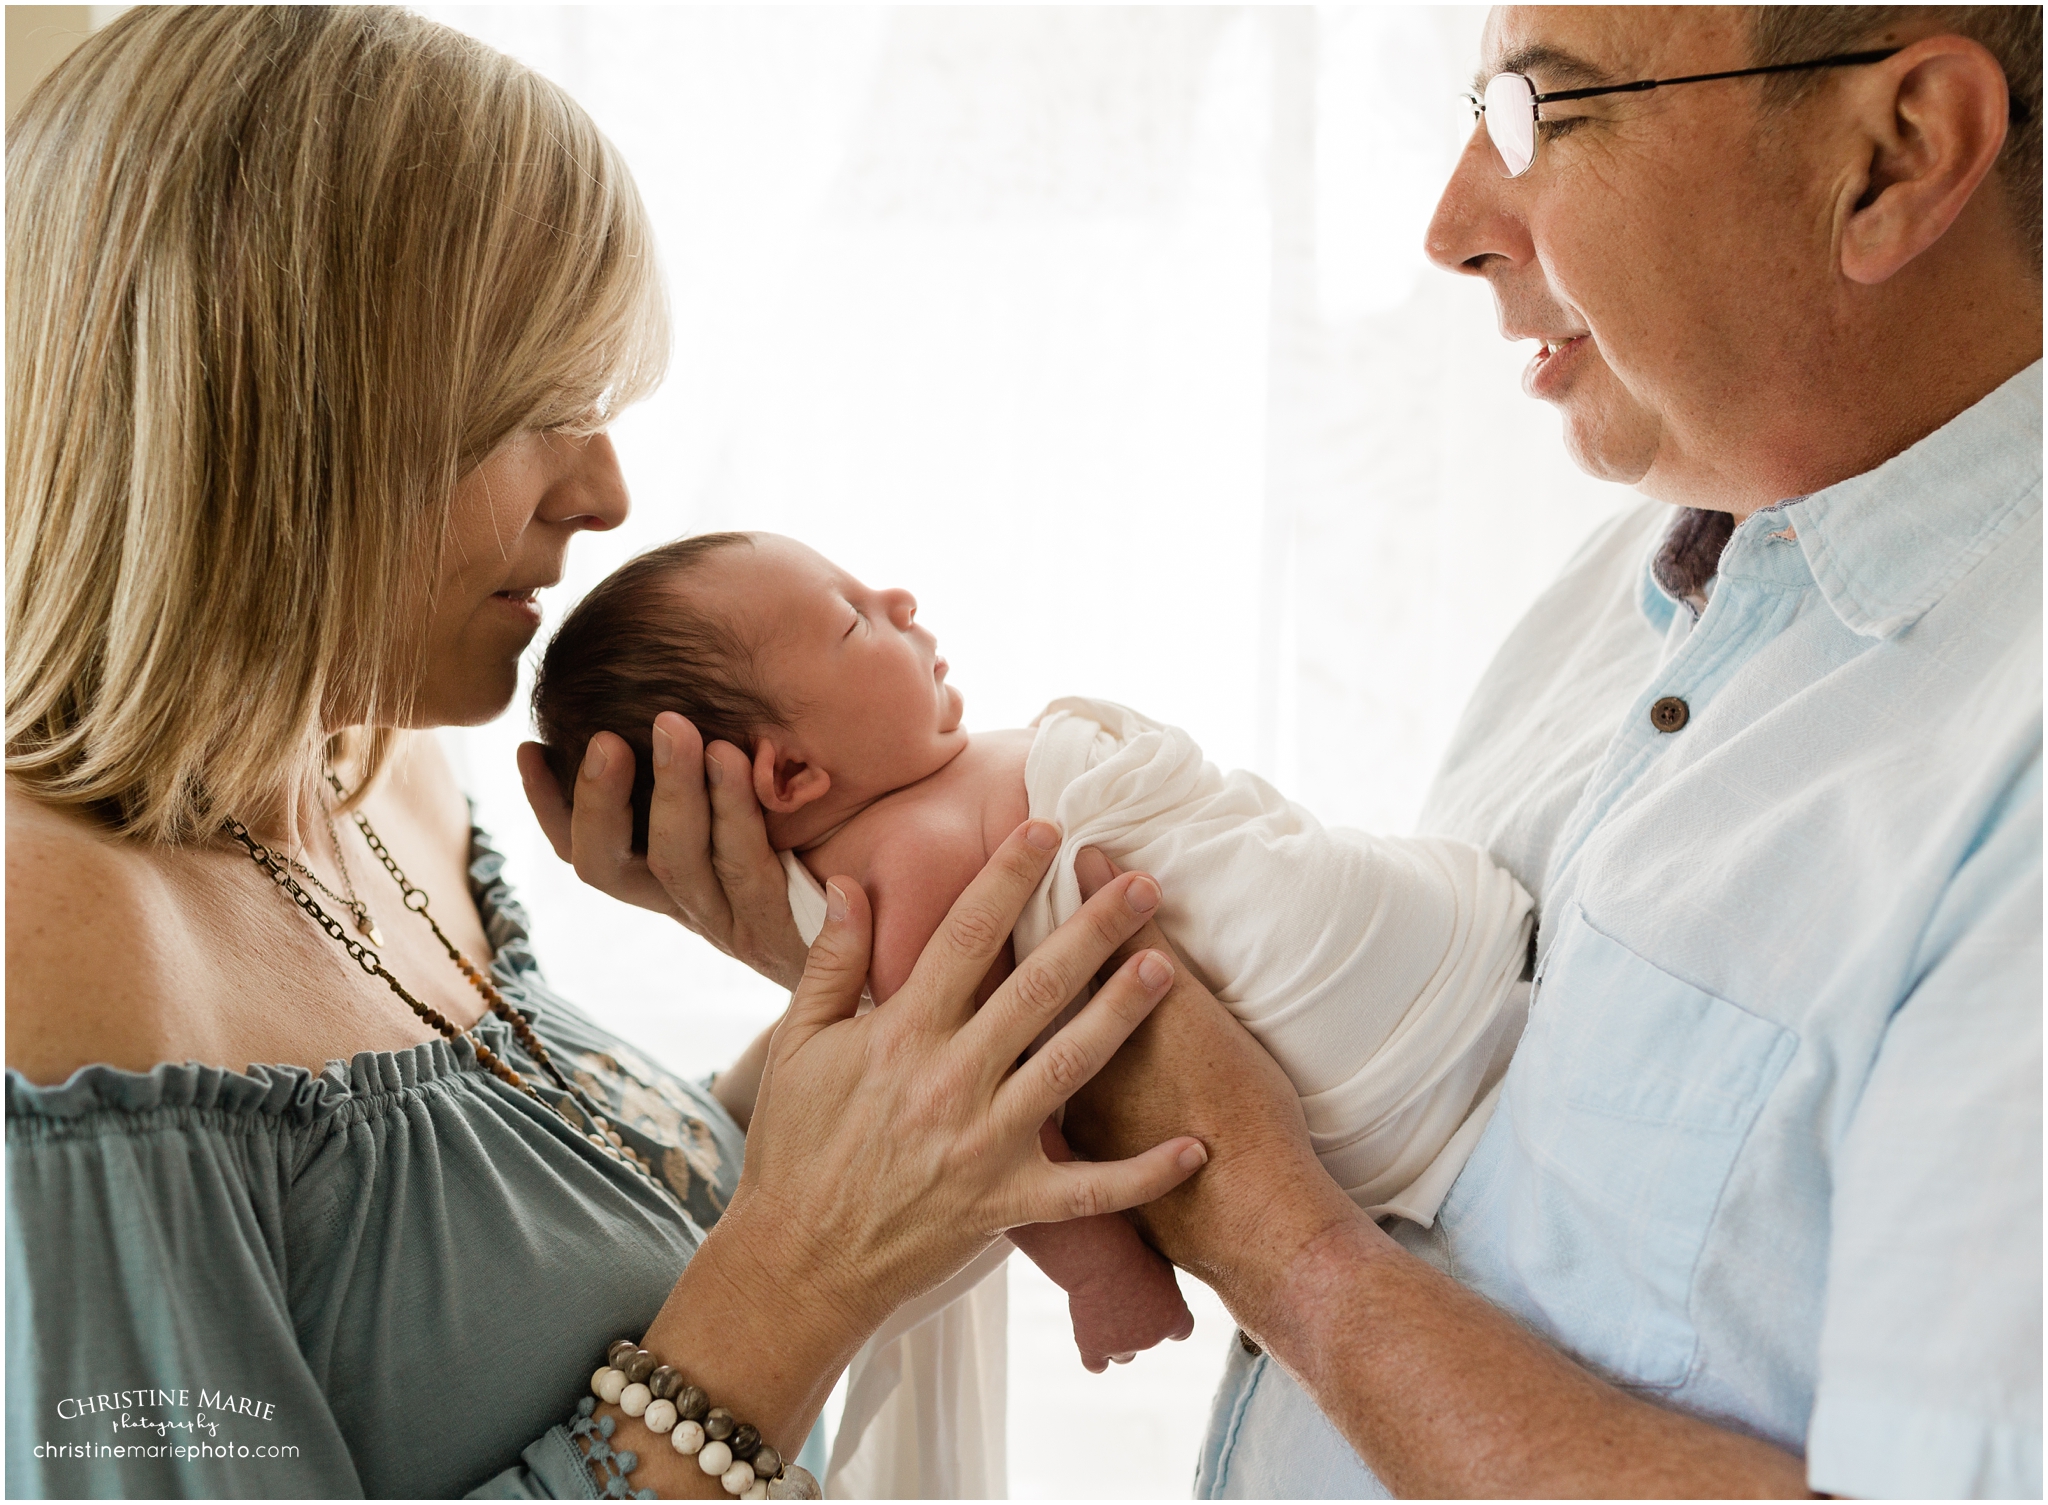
(1511, 106)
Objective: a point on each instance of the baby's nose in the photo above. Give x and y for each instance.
(902, 607)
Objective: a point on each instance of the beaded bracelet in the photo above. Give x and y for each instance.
(641, 1385)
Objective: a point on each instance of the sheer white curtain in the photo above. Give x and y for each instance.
(1108, 333)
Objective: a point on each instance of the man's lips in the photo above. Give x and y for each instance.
(1551, 366)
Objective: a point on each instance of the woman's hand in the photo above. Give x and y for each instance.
(888, 1149)
(708, 861)
(897, 1144)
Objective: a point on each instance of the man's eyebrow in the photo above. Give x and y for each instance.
(1559, 69)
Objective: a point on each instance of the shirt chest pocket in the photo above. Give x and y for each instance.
(1587, 1202)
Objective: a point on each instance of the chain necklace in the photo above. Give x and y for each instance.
(601, 1134)
(365, 925)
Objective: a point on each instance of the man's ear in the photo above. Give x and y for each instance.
(1936, 120)
(783, 781)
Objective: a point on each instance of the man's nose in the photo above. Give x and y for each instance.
(1475, 218)
(592, 492)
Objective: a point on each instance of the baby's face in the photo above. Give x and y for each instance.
(864, 682)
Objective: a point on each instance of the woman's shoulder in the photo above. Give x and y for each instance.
(92, 938)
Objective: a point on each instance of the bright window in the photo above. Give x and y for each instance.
(1108, 332)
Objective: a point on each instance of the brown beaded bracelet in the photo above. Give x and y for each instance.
(641, 1385)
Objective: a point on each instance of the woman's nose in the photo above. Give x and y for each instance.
(592, 491)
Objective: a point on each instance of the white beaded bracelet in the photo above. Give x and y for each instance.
(746, 1465)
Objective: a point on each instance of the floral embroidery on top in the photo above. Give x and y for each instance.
(644, 1100)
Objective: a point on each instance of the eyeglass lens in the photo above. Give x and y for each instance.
(1511, 120)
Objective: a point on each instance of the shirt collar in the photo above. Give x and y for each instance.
(1885, 546)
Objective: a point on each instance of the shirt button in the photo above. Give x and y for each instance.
(1669, 714)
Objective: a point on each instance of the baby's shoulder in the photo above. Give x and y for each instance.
(941, 828)
(902, 833)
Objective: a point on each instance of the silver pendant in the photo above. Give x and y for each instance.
(368, 926)
(795, 1483)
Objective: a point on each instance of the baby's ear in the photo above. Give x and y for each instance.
(784, 782)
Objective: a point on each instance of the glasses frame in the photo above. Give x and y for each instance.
(1536, 100)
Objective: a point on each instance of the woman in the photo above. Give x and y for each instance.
(315, 318)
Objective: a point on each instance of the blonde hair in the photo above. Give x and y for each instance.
(276, 278)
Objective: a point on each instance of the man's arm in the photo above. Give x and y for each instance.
(1439, 1392)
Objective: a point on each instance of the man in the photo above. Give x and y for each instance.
(1766, 1170)
(1759, 1209)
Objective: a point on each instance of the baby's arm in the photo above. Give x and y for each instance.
(912, 882)
(1121, 1296)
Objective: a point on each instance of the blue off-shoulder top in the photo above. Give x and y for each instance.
(393, 1276)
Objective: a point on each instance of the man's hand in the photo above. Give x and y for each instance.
(1436, 1389)
(1191, 1066)
(708, 861)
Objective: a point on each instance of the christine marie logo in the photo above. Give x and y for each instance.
(126, 1410)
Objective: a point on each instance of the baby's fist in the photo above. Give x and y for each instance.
(1118, 1317)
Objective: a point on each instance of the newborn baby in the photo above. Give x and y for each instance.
(1381, 974)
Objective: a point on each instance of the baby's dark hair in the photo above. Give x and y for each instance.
(639, 645)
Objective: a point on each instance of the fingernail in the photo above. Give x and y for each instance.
(594, 760)
(1043, 834)
(1153, 971)
(664, 747)
(1194, 1157)
(835, 903)
(713, 773)
(1142, 895)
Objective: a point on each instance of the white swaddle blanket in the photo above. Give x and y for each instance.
(1378, 971)
(1382, 973)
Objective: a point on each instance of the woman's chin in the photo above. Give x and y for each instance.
(467, 699)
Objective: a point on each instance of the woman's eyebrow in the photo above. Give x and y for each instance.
(1560, 69)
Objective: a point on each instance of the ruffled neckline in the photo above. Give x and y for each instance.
(298, 1094)
(294, 1093)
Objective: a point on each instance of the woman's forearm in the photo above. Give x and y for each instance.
(1441, 1393)
(760, 1330)
(739, 1084)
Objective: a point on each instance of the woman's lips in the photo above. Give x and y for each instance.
(523, 604)
(1551, 367)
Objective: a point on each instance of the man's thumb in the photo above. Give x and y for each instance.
(837, 969)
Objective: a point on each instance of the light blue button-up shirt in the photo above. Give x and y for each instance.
(1770, 1149)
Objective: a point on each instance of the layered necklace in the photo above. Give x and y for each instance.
(280, 867)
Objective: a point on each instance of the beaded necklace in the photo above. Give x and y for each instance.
(601, 1134)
